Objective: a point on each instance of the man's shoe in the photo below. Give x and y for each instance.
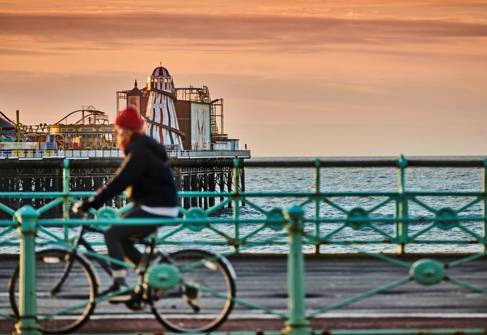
(191, 291)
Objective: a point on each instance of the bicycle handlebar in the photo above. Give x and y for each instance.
(76, 209)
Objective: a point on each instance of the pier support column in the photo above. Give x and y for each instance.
(297, 324)
(27, 324)
(205, 189)
(242, 183)
(211, 188)
(186, 202)
(221, 184)
(178, 179)
(201, 187)
(228, 181)
(194, 187)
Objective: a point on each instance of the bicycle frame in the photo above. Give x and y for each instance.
(103, 260)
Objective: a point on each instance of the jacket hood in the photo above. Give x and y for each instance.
(149, 143)
(155, 147)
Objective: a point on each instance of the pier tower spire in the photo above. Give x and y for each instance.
(160, 115)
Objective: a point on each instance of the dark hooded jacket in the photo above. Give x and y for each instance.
(144, 174)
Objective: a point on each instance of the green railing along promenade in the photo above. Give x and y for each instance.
(310, 220)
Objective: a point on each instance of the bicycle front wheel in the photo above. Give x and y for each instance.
(65, 291)
(204, 298)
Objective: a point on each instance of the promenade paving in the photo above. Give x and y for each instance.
(262, 280)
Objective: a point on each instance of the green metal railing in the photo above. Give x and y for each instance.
(297, 227)
(326, 217)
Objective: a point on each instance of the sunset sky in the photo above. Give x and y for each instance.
(299, 78)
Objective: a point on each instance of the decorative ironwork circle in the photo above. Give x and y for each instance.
(196, 214)
(427, 271)
(357, 213)
(275, 214)
(446, 218)
(107, 213)
(163, 276)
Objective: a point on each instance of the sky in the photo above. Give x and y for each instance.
(299, 78)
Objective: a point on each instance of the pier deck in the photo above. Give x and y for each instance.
(262, 280)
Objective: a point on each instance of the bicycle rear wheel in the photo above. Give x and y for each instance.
(65, 291)
(203, 300)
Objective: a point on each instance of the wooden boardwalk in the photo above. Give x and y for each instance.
(262, 280)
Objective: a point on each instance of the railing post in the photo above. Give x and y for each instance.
(297, 324)
(484, 189)
(236, 200)
(402, 208)
(317, 191)
(27, 324)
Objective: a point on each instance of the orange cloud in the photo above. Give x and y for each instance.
(276, 32)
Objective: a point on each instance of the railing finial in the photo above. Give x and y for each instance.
(403, 162)
(237, 162)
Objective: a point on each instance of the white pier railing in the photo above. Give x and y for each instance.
(115, 153)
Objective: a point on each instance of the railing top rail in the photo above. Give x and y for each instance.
(56, 163)
(325, 162)
(344, 162)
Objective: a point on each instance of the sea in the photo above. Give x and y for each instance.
(366, 180)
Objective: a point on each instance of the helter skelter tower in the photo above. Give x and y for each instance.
(180, 118)
(160, 114)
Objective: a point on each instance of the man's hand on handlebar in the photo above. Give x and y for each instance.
(82, 207)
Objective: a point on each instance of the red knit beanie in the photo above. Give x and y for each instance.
(129, 118)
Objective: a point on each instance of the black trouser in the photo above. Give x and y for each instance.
(121, 239)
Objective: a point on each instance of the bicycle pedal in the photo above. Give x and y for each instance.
(135, 304)
(113, 302)
(156, 294)
(121, 298)
(196, 308)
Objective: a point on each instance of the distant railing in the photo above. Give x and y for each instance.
(115, 153)
(243, 154)
(293, 228)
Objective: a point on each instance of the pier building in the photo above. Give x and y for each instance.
(186, 120)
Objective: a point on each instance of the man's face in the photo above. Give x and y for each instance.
(123, 136)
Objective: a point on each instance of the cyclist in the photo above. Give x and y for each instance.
(148, 183)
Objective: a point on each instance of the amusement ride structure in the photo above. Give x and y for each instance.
(186, 120)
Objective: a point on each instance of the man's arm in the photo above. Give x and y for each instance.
(130, 170)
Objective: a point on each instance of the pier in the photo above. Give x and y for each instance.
(187, 121)
(378, 285)
(206, 171)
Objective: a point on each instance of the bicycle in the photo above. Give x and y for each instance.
(190, 290)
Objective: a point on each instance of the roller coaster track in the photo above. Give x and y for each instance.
(90, 112)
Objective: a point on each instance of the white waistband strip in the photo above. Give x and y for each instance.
(161, 211)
